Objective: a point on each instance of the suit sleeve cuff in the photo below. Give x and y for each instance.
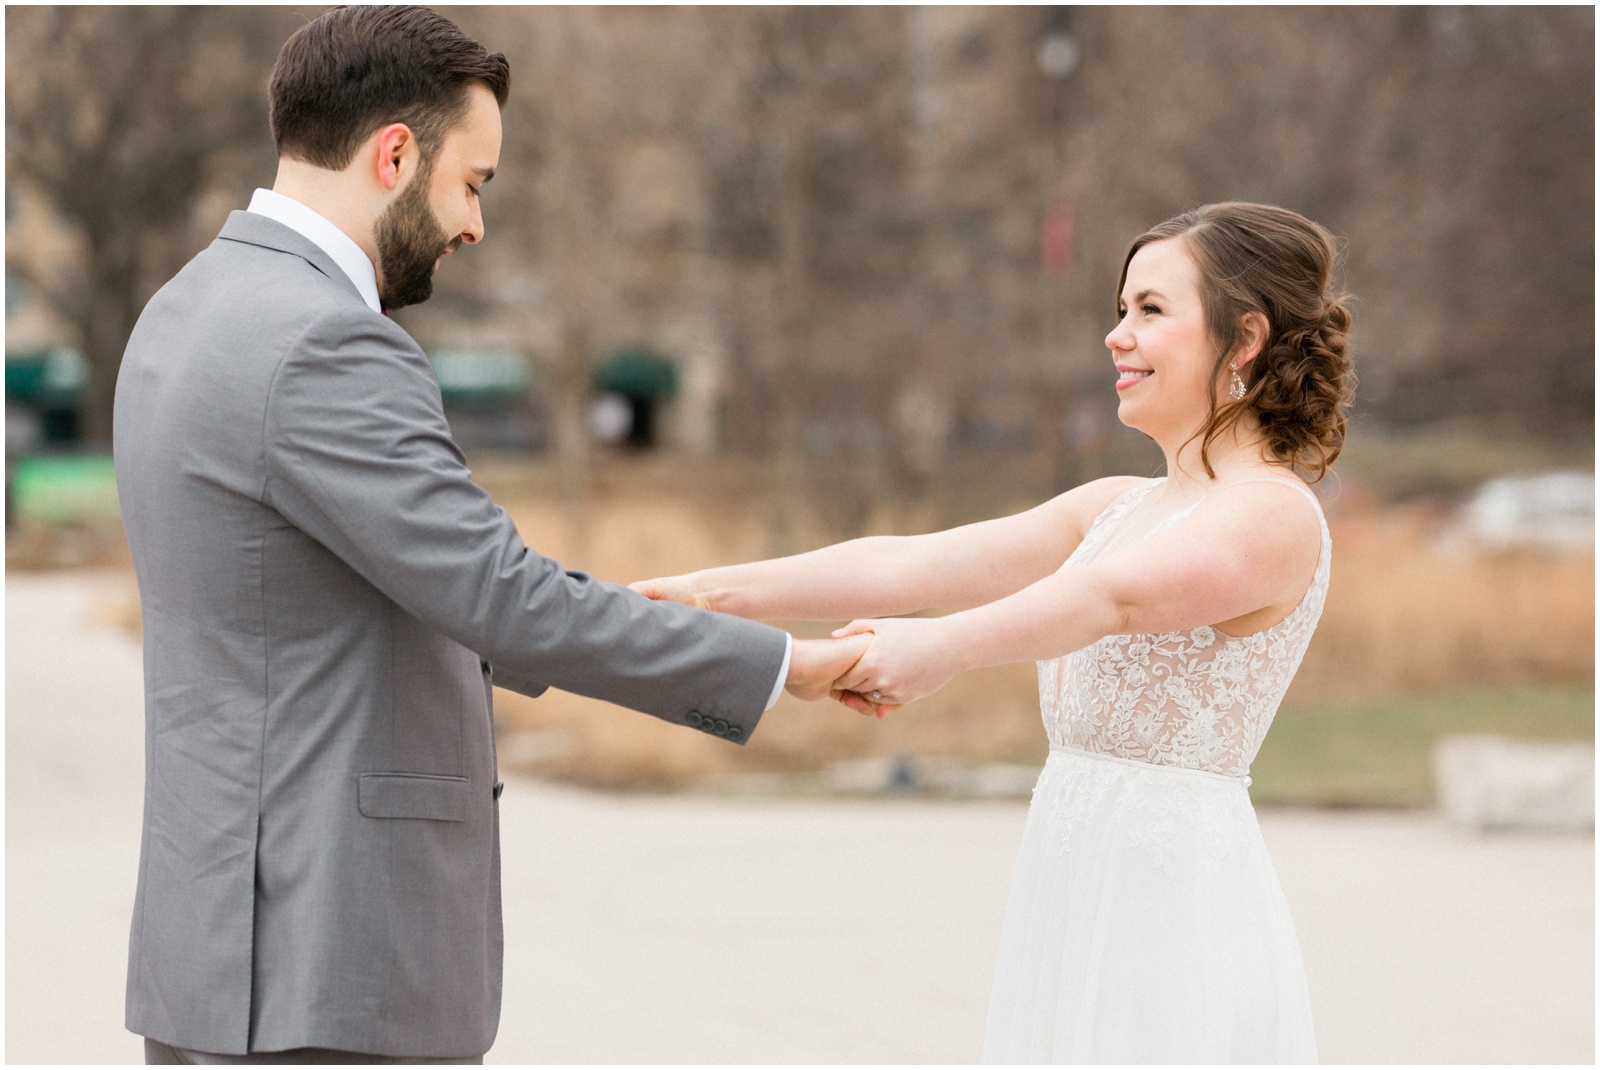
(783, 673)
(515, 681)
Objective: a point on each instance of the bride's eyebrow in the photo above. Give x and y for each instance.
(1144, 295)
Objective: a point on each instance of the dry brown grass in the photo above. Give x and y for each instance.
(1415, 609)
(32, 546)
(1410, 611)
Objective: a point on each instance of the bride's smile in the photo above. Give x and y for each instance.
(1127, 376)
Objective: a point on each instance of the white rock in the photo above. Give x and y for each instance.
(1552, 508)
(1492, 782)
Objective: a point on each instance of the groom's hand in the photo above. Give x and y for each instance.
(816, 664)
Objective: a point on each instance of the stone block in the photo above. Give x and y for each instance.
(1495, 782)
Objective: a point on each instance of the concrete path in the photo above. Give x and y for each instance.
(647, 929)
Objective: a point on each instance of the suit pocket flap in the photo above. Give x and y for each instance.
(414, 795)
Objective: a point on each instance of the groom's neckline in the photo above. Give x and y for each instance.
(321, 232)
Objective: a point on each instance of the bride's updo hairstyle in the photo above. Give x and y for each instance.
(1257, 258)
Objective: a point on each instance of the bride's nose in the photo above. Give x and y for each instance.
(1120, 337)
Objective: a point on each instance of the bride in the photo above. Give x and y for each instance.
(1167, 616)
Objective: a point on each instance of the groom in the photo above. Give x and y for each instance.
(326, 594)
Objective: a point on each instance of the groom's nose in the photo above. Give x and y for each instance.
(474, 232)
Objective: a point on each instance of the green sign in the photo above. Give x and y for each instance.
(49, 378)
(480, 376)
(637, 374)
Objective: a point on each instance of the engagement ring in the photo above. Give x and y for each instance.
(875, 696)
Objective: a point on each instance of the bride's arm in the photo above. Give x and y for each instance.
(1247, 551)
(887, 575)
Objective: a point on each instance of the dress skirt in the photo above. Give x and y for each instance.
(1145, 925)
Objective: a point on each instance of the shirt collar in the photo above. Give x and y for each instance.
(324, 235)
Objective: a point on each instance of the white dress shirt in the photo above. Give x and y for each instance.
(316, 229)
(343, 250)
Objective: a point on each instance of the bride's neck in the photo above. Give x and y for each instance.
(1236, 452)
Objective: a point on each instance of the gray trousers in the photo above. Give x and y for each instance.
(157, 1053)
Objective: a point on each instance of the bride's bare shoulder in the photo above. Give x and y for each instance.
(1078, 507)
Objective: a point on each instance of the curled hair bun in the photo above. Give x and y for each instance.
(1259, 258)
(1300, 387)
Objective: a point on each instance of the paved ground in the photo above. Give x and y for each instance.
(713, 930)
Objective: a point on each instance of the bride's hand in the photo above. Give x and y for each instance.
(910, 658)
(863, 705)
(683, 589)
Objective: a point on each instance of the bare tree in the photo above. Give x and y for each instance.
(808, 175)
(120, 118)
(571, 164)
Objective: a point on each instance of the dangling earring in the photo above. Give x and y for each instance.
(1236, 385)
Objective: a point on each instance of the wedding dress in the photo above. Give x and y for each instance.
(1145, 922)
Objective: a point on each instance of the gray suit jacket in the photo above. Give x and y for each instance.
(324, 593)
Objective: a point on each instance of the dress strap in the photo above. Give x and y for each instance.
(1109, 519)
(1321, 575)
(1130, 498)
(1123, 504)
(1295, 483)
(1299, 486)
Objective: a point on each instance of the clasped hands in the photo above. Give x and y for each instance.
(872, 666)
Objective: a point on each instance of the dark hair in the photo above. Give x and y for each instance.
(355, 69)
(1258, 258)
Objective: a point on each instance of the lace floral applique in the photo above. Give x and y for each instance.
(1196, 699)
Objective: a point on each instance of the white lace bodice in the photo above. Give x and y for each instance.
(1197, 699)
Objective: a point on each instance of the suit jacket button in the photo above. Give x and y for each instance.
(499, 786)
(721, 726)
(695, 719)
(488, 670)
(735, 732)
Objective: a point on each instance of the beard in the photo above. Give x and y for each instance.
(410, 243)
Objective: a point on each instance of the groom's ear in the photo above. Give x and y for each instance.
(395, 155)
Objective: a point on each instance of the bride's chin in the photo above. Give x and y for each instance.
(1155, 421)
(1129, 415)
